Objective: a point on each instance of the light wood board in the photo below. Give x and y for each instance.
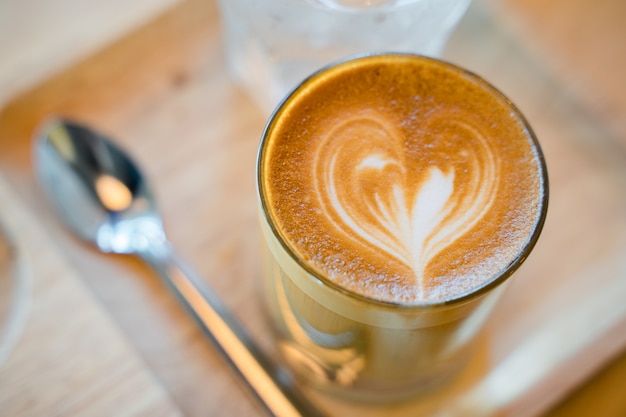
(163, 91)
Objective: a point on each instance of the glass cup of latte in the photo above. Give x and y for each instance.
(397, 195)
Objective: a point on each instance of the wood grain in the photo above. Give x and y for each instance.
(601, 396)
(40, 38)
(70, 359)
(582, 44)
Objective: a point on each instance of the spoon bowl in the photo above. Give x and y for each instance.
(96, 188)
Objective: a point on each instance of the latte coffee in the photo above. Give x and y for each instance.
(397, 193)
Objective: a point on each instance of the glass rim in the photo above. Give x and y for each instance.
(461, 298)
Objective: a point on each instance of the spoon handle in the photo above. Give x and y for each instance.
(265, 379)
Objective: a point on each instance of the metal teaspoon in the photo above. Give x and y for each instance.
(102, 196)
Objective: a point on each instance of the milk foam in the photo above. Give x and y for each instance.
(411, 223)
(420, 197)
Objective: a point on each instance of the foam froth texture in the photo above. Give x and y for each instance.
(402, 179)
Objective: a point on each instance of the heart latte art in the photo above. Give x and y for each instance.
(373, 193)
(404, 183)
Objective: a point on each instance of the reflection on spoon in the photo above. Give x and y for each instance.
(100, 194)
(113, 194)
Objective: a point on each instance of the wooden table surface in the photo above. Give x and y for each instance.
(100, 335)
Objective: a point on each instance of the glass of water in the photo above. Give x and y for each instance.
(271, 45)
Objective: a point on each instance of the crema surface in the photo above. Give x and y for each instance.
(401, 179)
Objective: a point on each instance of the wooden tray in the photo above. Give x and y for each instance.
(164, 92)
